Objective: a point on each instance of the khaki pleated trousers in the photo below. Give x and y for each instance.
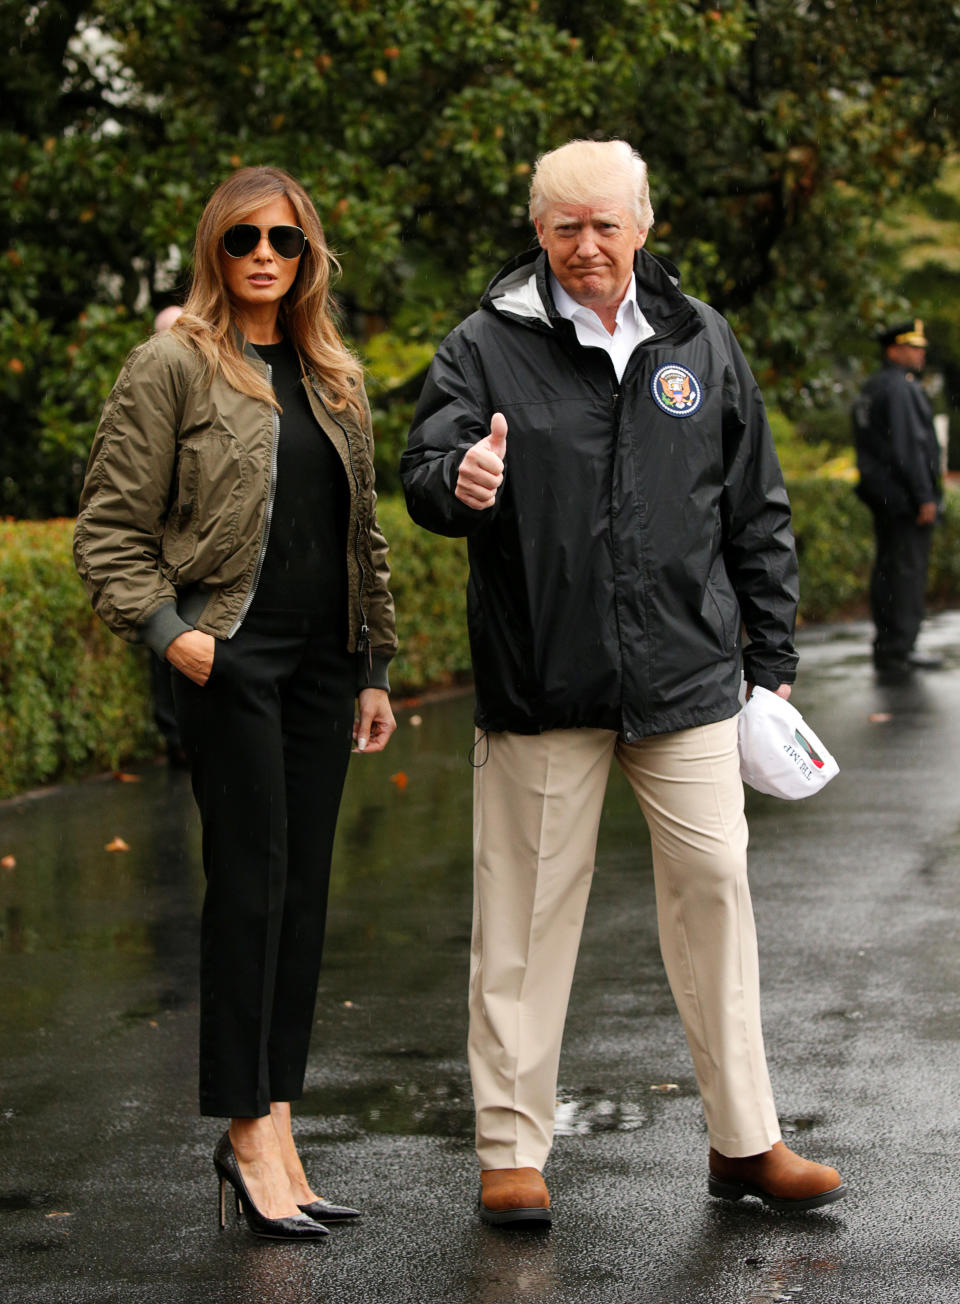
(537, 804)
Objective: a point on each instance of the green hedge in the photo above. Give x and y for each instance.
(72, 697)
(75, 699)
(834, 533)
(428, 580)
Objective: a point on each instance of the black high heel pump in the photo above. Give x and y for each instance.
(323, 1211)
(298, 1227)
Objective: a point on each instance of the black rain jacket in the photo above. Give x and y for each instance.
(897, 450)
(609, 581)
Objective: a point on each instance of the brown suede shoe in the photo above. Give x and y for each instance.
(509, 1196)
(778, 1177)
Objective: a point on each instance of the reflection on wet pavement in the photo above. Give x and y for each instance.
(591, 1117)
(520, 1268)
(579, 1118)
(404, 1108)
(782, 1280)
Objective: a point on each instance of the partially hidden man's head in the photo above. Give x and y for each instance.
(590, 204)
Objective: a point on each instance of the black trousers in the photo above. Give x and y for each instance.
(268, 740)
(898, 583)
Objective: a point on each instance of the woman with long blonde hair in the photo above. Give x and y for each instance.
(228, 521)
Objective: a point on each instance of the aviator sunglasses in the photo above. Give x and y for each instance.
(242, 239)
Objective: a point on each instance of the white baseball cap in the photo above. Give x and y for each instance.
(779, 752)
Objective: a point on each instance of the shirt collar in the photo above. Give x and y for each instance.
(569, 308)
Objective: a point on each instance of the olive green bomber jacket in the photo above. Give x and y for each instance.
(175, 508)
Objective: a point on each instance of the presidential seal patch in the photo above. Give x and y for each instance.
(676, 390)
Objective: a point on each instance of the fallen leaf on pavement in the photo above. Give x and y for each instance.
(399, 780)
(8, 862)
(122, 777)
(880, 717)
(664, 1087)
(117, 844)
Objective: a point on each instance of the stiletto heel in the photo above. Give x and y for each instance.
(298, 1227)
(223, 1217)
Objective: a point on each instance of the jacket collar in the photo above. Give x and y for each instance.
(248, 350)
(521, 291)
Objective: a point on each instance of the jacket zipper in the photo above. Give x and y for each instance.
(267, 517)
(363, 642)
(616, 440)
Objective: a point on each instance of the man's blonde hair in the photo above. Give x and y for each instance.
(585, 171)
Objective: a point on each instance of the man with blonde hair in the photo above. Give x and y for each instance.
(638, 521)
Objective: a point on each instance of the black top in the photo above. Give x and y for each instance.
(304, 569)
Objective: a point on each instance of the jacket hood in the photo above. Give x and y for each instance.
(521, 291)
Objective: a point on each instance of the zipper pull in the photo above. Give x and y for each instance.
(363, 642)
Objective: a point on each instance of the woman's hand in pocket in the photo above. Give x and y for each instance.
(192, 654)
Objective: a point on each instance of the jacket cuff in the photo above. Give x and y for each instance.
(762, 676)
(372, 672)
(159, 630)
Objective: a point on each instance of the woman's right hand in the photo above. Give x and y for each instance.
(192, 654)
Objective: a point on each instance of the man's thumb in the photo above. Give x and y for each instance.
(498, 434)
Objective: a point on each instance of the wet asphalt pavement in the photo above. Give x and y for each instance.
(107, 1190)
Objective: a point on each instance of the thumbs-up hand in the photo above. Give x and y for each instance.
(481, 471)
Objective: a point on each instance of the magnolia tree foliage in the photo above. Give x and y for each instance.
(776, 132)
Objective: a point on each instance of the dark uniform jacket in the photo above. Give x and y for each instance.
(897, 450)
(638, 524)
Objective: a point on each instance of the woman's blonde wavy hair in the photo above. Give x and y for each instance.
(306, 310)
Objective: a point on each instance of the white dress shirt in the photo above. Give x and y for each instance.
(631, 327)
